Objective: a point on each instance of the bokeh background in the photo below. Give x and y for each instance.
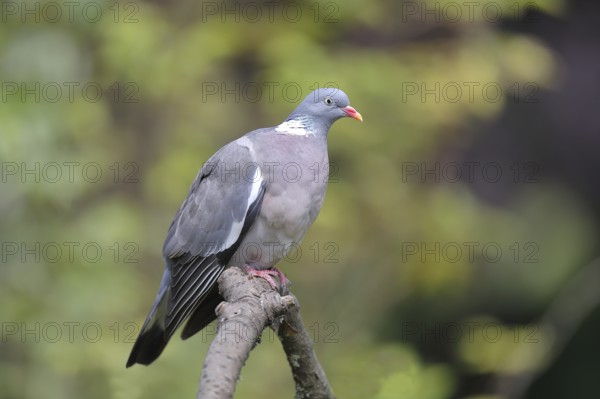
(455, 253)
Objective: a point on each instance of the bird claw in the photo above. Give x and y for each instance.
(268, 275)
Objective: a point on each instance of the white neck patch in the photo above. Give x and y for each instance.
(294, 127)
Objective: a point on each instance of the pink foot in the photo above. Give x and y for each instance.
(268, 275)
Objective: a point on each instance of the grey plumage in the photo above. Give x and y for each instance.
(252, 200)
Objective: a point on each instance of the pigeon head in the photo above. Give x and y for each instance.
(321, 108)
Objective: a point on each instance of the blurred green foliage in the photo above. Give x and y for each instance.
(155, 123)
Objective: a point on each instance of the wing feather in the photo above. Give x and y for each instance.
(221, 206)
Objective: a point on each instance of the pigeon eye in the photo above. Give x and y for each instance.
(328, 101)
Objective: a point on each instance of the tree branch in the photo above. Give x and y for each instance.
(309, 376)
(250, 306)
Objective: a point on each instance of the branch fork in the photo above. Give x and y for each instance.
(250, 306)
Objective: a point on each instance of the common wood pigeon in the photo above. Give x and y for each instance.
(251, 202)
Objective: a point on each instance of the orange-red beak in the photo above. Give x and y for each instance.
(352, 113)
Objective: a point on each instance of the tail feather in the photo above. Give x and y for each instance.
(152, 338)
(171, 308)
(148, 346)
(155, 335)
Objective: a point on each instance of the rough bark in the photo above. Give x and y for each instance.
(250, 306)
(309, 376)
